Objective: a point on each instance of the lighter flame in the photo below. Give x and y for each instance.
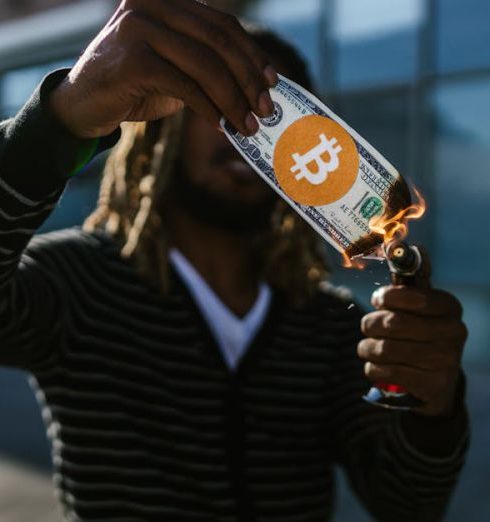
(390, 227)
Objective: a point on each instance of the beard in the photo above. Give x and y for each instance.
(218, 211)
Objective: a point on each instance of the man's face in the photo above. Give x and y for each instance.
(216, 184)
(210, 162)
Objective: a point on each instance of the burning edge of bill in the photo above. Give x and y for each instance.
(392, 225)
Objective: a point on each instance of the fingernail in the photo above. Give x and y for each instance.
(377, 298)
(251, 123)
(271, 76)
(266, 106)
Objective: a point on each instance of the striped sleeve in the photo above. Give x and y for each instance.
(397, 472)
(28, 302)
(37, 157)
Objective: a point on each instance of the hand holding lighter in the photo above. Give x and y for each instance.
(405, 262)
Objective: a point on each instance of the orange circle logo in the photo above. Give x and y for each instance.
(316, 161)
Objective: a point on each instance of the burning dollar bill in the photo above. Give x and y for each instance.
(328, 173)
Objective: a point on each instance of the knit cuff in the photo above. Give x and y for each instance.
(40, 154)
(437, 437)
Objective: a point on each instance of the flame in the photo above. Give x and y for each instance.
(396, 227)
(390, 228)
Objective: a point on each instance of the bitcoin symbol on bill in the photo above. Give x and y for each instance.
(302, 162)
(316, 161)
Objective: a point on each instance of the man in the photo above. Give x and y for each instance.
(191, 363)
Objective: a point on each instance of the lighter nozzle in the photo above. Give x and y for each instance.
(403, 259)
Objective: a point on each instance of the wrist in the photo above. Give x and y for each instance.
(65, 106)
(438, 435)
(62, 109)
(71, 151)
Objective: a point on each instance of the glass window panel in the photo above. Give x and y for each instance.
(462, 182)
(23, 434)
(81, 195)
(383, 119)
(79, 199)
(463, 34)
(375, 43)
(298, 22)
(17, 85)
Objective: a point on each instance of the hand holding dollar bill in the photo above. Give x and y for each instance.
(319, 165)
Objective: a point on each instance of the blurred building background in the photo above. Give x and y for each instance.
(412, 76)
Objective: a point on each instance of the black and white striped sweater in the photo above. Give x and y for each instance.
(146, 420)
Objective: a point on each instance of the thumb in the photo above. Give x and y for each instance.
(169, 106)
(155, 108)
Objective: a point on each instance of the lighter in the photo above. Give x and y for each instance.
(404, 262)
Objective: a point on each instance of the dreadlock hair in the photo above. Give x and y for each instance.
(134, 184)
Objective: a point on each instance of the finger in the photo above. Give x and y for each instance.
(197, 25)
(158, 106)
(205, 68)
(243, 40)
(183, 87)
(426, 356)
(429, 302)
(244, 58)
(419, 383)
(387, 324)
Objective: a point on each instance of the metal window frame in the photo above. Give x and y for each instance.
(51, 34)
(421, 121)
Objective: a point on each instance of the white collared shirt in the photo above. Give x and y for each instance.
(233, 334)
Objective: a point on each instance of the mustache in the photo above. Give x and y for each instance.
(236, 217)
